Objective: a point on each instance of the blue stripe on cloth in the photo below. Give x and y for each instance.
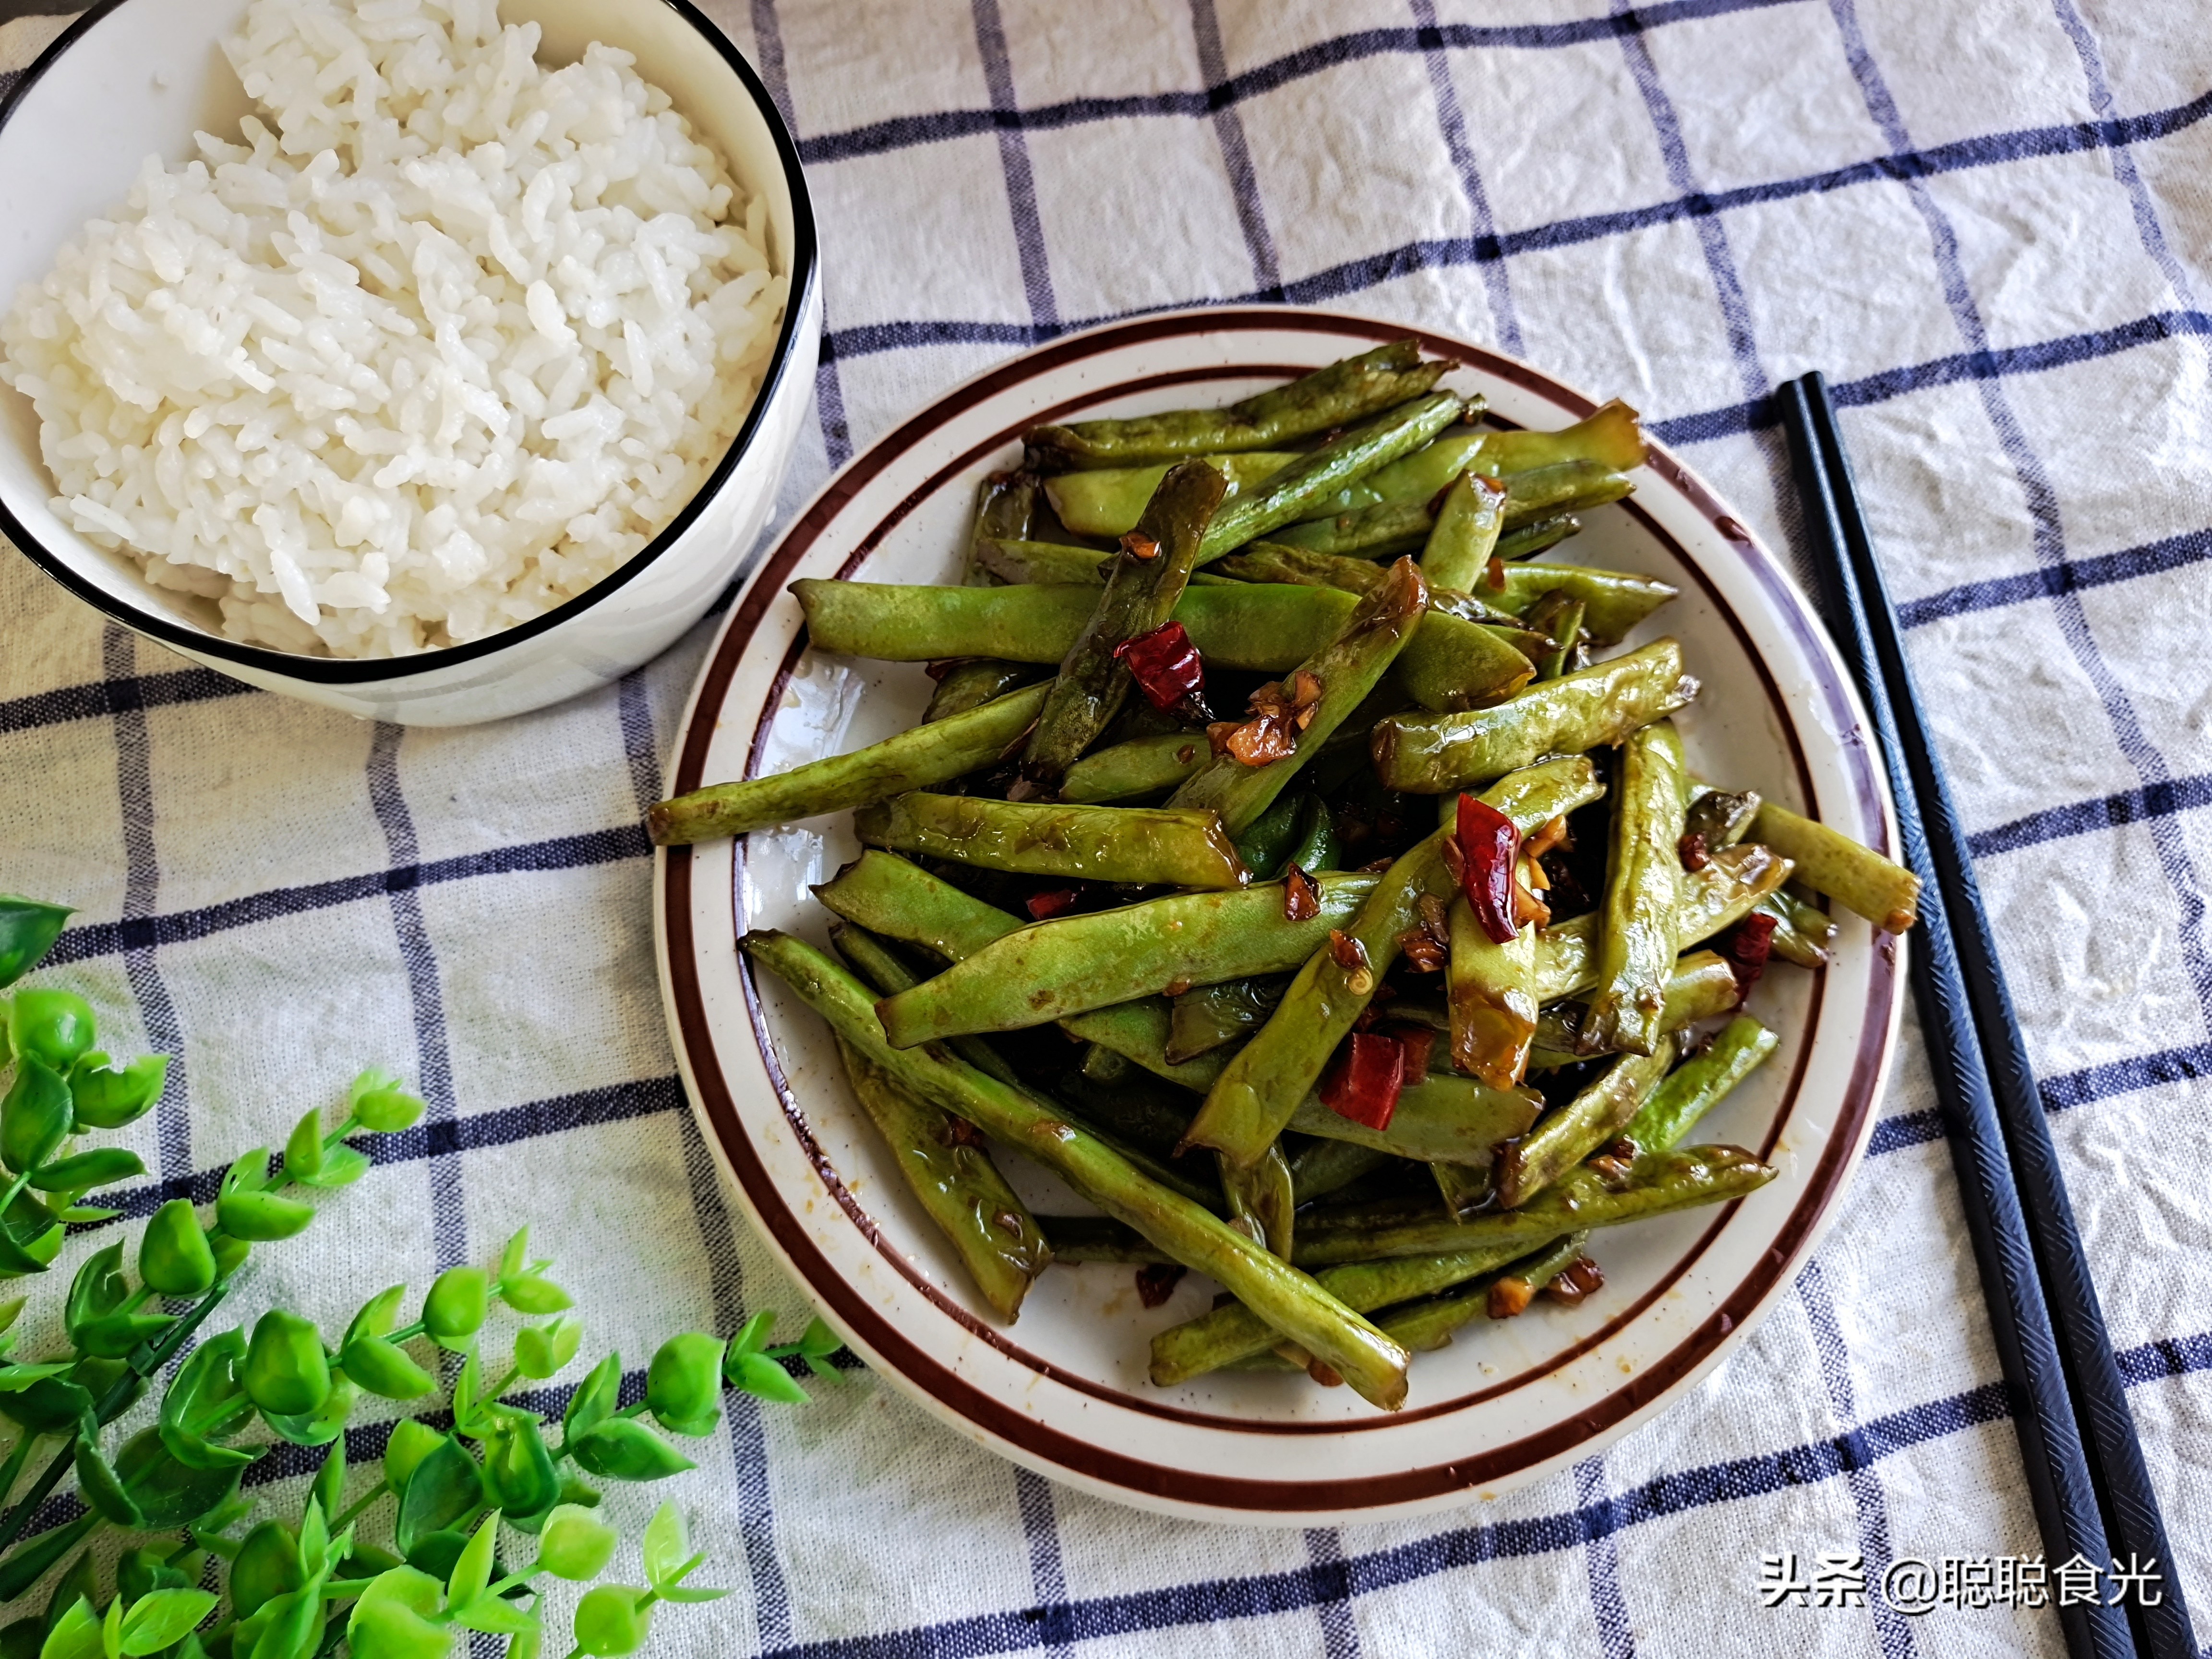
(2100, 570)
(98, 699)
(426, 995)
(1237, 157)
(1602, 1561)
(1332, 1592)
(1014, 162)
(828, 389)
(641, 750)
(1453, 122)
(1224, 91)
(594, 846)
(142, 887)
(1906, 1129)
(1891, 1628)
(2041, 499)
(2156, 800)
(1048, 1572)
(1712, 235)
(1407, 259)
(1256, 1595)
(2120, 1077)
(2123, 165)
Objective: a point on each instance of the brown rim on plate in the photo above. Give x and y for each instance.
(876, 1335)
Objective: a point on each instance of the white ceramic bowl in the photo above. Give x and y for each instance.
(1063, 1390)
(132, 78)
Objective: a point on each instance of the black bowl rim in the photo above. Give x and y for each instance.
(351, 671)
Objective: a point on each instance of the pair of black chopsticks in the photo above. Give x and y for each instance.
(2086, 1476)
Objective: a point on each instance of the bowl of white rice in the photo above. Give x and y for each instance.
(433, 360)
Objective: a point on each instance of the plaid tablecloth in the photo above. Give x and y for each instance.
(1988, 224)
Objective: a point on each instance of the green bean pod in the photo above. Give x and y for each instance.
(1702, 986)
(1042, 562)
(1107, 501)
(1672, 1181)
(1146, 579)
(1289, 1300)
(1385, 518)
(1304, 485)
(1256, 1096)
(1610, 436)
(913, 759)
(1323, 1167)
(1574, 1131)
(1465, 533)
(1802, 933)
(1142, 766)
(1207, 1017)
(1052, 969)
(1548, 492)
(1451, 663)
(1336, 395)
(886, 894)
(1382, 530)
(1489, 991)
(1614, 602)
(1427, 755)
(1857, 877)
(1141, 845)
(1430, 1325)
(1698, 1083)
(958, 1187)
(1261, 1201)
(1346, 669)
(1637, 925)
(1530, 539)
(1442, 1119)
(972, 684)
(1719, 895)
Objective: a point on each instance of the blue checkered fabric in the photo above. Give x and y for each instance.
(1987, 223)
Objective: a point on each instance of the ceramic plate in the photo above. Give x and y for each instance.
(1064, 1391)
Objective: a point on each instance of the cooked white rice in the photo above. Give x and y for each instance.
(440, 351)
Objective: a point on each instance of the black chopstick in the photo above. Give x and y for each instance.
(2060, 1488)
(2132, 1520)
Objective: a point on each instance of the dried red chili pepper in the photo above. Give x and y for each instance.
(1041, 905)
(1693, 851)
(1509, 1297)
(1351, 955)
(1140, 547)
(1746, 946)
(1364, 1081)
(1301, 896)
(1166, 666)
(1415, 1043)
(1490, 844)
(959, 1132)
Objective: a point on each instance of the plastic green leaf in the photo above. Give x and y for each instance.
(751, 1338)
(666, 1546)
(527, 1643)
(102, 1488)
(385, 1369)
(156, 1620)
(35, 1117)
(51, 1026)
(612, 1620)
(303, 1147)
(493, 1615)
(343, 1165)
(444, 1488)
(30, 1562)
(173, 1256)
(764, 1379)
(683, 1383)
(472, 1572)
(320, 1426)
(529, 1294)
(542, 1351)
(387, 1111)
(76, 1634)
(262, 1217)
(466, 1389)
(11, 1311)
(267, 1566)
(248, 1173)
(205, 1403)
(519, 1471)
(596, 1397)
(575, 1545)
(79, 1581)
(374, 1080)
(329, 1490)
(314, 1535)
(13, 1379)
(102, 1166)
(410, 1444)
(622, 1449)
(287, 1628)
(453, 1312)
(392, 1620)
(515, 1252)
(107, 1096)
(168, 1492)
(379, 1315)
(51, 1404)
(28, 928)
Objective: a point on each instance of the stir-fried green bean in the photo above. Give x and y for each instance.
(1142, 766)
(1465, 533)
(1145, 580)
(927, 755)
(1637, 926)
(1333, 397)
(1287, 1299)
(1180, 847)
(1857, 877)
